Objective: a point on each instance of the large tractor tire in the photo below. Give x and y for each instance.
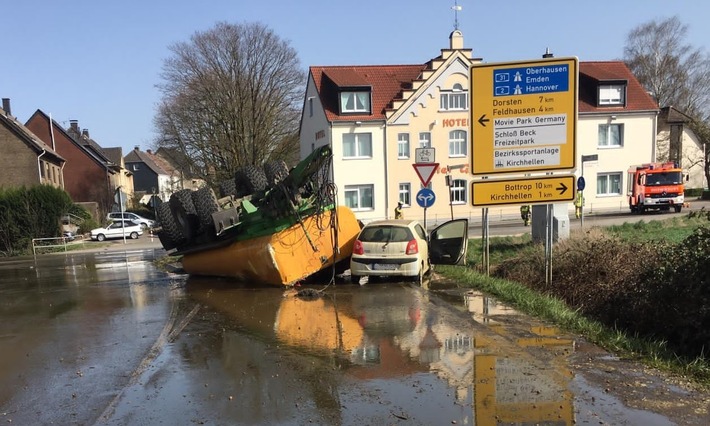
(227, 188)
(205, 203)
(170, 235)
(275, 172)
(249, 179)
(184, 212)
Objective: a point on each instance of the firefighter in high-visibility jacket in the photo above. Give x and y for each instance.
(578, 204)
(525, 213)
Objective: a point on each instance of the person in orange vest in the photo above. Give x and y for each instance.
(398, 211)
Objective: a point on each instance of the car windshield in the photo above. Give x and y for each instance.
(666, 178)
(385, 233)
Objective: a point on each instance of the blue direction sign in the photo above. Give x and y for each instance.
(531, 80)
(425, 197)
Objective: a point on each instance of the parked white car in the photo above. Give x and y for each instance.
(144, 222)
(117, 230)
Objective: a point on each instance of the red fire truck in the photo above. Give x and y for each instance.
(656, 186)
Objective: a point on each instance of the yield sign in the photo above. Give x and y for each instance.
(425, 171)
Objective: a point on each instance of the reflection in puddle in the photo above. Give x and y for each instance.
(390, 333)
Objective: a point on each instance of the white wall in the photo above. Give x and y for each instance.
(638, 147)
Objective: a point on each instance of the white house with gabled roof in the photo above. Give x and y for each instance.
(375, 116)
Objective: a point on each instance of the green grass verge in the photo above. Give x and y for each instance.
(555, 311)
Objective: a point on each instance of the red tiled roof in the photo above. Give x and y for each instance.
(593, 73)
(386, 82)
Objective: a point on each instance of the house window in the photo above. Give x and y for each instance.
(135, 167)
(405, 193)
(425, 140)
(354, 102)
(403, 145)
(611, 135)
(609, 184)
(457, 143)
(357, 145)
(310, 107)
(455, 99)
(359, 197)
(612, 94)
(458, 191)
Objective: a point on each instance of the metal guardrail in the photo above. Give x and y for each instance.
(53, 242)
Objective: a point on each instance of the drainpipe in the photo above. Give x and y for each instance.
(386, 162)
(51, 131)
(61, 170)
(39, 165)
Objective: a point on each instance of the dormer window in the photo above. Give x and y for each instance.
(455, 99)
(612, 94)
(354, 102)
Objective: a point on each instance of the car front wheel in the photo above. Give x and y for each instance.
(100, 237)
(134, 235)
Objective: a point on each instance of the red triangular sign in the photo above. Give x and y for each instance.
(425, 171)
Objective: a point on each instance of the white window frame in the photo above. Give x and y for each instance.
(455, 99)
(458, 143)
(353, 102)
(361, 143)
(424, 139)
(459, 191)
(604, 183)
(605, 134)
(405, 193)
(403, 145)
(360, 193)
(612, 94)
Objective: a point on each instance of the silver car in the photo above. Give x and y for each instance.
(144, 222)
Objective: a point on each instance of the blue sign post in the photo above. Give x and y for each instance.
(425, 198)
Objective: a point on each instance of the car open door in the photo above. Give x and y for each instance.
(448, 243)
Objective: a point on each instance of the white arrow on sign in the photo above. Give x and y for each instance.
(425, 171)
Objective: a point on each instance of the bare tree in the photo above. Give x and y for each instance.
(674, 72)
(231, 97)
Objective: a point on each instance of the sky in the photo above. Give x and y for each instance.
(99, 62)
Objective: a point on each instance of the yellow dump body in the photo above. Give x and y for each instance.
(285, 257)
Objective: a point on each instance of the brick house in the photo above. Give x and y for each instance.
(26, 160)
(87, 175)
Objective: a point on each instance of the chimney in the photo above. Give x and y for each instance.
(137, 148)
(74, 125)
(149, 151)
(6, 105)
(85, 132)
(456, 40)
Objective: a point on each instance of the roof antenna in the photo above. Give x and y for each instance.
(456, 8)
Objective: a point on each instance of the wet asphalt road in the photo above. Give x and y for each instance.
(103, 337)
